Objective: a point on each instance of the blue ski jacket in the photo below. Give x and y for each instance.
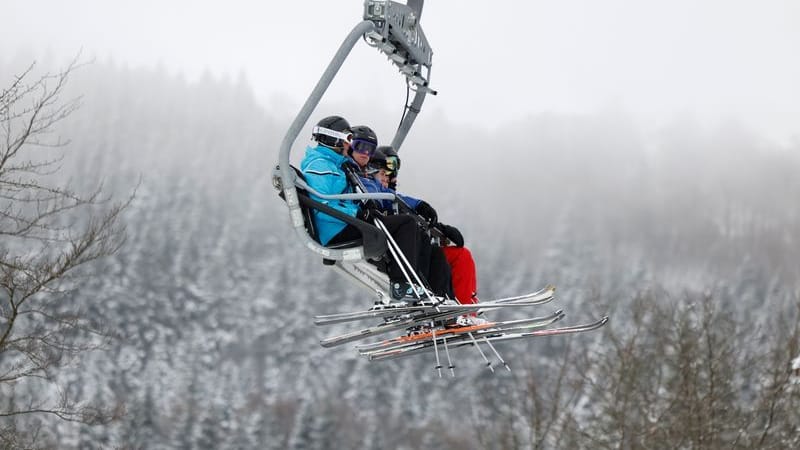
(322, 168)
(374, 186)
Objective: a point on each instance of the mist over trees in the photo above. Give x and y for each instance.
(685, 236)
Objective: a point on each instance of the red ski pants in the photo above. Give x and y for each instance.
(465, 282)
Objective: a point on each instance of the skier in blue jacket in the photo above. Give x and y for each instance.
(323, 169)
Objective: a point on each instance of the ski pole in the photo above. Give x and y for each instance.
(436, 351)
(449, 362)
(394, 253)
(404, 261)
(359, 186)
(496, 353)
(474, 342)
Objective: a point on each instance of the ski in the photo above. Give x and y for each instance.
(499, 326)
(481, 337)
(409, 320)
(534, 298)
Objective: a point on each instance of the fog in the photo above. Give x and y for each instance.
(211, 299)
(618, 152)
(493, 62)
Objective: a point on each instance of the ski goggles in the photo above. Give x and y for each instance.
(363, 147)
(346, 137)
(392, 164)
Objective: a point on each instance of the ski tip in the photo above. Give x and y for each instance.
(331, 342)
(550, 287)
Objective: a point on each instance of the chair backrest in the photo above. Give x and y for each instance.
(308, 216)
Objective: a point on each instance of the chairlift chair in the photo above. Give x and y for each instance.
(393, 29)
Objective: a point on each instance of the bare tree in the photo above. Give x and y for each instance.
(689, 374)
(49, 233)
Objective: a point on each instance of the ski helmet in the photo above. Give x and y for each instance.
(332, 131)
(364, 140)
(391, 160)
(376, 162)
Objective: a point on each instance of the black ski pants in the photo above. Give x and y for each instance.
(427, 260)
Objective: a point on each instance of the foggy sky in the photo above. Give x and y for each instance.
(493, 61)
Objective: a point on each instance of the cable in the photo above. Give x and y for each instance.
(405, 107)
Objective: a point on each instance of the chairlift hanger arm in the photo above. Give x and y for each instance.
(285, 170)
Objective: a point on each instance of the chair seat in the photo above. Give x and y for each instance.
(372, 239)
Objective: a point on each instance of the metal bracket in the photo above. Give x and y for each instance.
(398, 34)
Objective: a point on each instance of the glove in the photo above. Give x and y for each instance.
(366, 214)
(452, 234)
(426, 211)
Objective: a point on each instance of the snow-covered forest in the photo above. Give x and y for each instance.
(686, 236)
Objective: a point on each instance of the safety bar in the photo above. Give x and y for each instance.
(276, 175)
(356, 196)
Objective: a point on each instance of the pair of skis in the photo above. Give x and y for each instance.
(534, 298)
(473, 335)
(429, 319)
(407, 316)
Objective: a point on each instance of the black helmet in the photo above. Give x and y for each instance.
(391, 160)
(376, 162)
(332, 131)
(388, 150)
(364, 139)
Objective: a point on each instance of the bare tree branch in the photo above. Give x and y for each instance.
(51, 233)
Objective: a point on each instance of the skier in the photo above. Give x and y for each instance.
(392, 165)
(420, 207)
(385, 166)
(432, 260)
(464, 278)
(322, 167)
